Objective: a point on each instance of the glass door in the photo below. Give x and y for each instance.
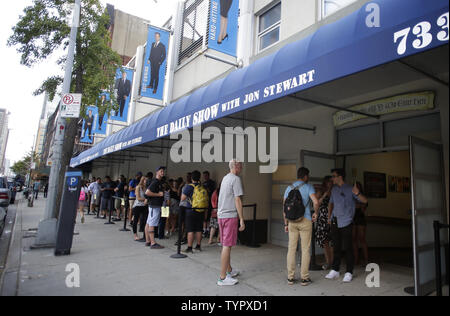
(428, 205)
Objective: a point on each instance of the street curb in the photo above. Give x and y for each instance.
(5, 237)
(9, 268)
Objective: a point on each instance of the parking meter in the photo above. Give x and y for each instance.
(68, 212)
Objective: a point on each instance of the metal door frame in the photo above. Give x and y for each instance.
(422, 290)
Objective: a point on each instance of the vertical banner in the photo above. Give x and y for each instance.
(101, 119)
(223, 26)
(87, 135)
(122, 89)
(155, 61)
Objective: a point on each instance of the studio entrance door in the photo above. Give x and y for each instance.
(428, 205)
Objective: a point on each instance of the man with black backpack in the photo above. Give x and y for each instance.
(298, 221)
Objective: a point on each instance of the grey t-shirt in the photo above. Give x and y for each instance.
(230, 189)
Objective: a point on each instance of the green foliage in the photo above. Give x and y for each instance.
(50, 86)
(43, 29)
(22, 167)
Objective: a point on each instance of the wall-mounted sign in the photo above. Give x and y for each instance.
(122, 89)
(375, 185)
(400, 103)
(223, 26)
(70, 105)
(399, 184)
(87, 131)
(155, 60)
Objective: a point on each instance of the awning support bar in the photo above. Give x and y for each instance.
(334, 107)
(426, 74)
(312, 129)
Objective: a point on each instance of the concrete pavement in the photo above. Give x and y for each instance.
(111, 263)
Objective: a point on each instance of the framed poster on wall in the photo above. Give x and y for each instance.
(375, 185)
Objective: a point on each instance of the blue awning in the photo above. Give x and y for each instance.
(335, 50)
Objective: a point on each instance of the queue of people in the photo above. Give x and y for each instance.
(154, 205)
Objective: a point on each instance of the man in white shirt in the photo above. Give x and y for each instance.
(95, 190)
(230, 214)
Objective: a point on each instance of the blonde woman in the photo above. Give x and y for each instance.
(139, 209)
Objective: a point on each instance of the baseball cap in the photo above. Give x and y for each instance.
(161, 167)
(139, 174)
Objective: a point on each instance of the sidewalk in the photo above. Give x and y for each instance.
(111, 263)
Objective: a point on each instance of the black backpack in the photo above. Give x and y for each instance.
(294, 209)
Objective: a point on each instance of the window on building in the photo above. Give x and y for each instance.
(269, 27)
(332, 6)
(194, 28)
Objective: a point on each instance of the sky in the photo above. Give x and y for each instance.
(18, 82)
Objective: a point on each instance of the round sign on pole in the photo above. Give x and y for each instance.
(70, 105)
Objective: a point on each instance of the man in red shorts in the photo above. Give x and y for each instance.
(230, 215)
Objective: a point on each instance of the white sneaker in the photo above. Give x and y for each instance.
(332, 275)
(348, 277)
(234, 273)
(229, 281)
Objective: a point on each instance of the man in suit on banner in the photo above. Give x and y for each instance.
(123, 88)
(157, 57)
(88, 123)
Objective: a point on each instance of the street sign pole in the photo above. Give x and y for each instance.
(46, 235)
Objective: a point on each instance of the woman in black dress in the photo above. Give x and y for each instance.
(359, 230)
(225, 6)
(323, 228)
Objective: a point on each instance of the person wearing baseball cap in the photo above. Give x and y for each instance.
(155, 193)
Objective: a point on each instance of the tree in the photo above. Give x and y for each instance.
(23, 167)
(43, 29)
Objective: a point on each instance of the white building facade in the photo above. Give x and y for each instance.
(381, 114)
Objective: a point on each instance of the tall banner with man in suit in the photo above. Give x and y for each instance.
(122, 89)
(87, 131)
(223, 26)
(155, 61)
(101, 119)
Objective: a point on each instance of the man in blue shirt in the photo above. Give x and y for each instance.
(301, 228)
(341, 211)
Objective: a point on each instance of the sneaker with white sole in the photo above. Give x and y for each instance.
(234, 273)
(228, 281)
(332, 275)
(348, 277)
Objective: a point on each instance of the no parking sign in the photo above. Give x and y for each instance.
(70, 105)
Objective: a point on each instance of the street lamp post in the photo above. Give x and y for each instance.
(46, 235)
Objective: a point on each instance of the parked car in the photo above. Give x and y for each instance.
(5, 192)
(2, 219)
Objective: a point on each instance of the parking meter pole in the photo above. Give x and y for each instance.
(68, 212)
